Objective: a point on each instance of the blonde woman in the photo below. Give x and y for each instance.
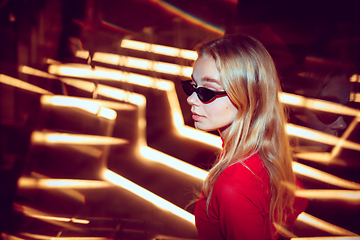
(234, 90)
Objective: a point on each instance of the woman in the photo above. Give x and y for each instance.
(323, 79)
(234, 90)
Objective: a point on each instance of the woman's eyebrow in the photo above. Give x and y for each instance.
(206, 79)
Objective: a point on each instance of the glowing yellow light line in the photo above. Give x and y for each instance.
(81, 103)
(51, 61)
(346, 195)
(336, 150)
(97, 72)
(36, 72)
(323, 225)
(159, 49)
(85, 71)
(177, 164)
(7, 236)
(320, 157)
(317, 104)
(139, 63)
(82, 139)
(122, 95)
(22, 85)
(25, 182)
(324, 157)
(59, 221)
(323, 176)
(201, 136)
(82, 54)
(318, 136)
(175, 109)
(81, 84)
(283, 231)
(147, 195)
(69, 192)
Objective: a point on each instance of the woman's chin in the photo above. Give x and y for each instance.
(203, 128)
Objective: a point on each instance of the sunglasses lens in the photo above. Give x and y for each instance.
(205, 95)
(188, 88)
(327, 118)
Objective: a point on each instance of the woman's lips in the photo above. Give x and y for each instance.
(196, 117)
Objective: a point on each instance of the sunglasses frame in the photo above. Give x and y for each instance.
(326, 117)
(198, 92)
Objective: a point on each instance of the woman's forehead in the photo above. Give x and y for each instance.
(205, 70)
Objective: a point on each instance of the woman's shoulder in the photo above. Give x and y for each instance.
(250, 166)
(246, 180)
(249, 172)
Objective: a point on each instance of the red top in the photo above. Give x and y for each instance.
(239, 205)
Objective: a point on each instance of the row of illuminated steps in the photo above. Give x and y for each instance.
(102, 82)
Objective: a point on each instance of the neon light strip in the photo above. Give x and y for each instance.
(314, 173)
(59, 221)
(69, 192)
(345, 195)
(36, 72)
(325, 226)
(82, 139)
(159, 49)
(318, 136)
(25, 182)
(200, 136)
(140, 63)
(101, 73)
(7, 236)
(147, 195)
(82, 54)
(22, 85)
(177, 164)
(337, 148)
(81, 103)
(321, 157)
(316, 104)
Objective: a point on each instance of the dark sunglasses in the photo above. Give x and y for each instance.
(326, 118)
(205, 95)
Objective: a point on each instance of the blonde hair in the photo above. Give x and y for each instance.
(249, 76)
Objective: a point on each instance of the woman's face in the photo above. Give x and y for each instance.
(217, 114)
(337, 91)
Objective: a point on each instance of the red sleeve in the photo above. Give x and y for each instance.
(300, 204)
(242, 202)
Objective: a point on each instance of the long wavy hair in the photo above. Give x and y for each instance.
(249, 76)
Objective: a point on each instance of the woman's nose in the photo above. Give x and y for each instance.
(193, 99)
(339, 124)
